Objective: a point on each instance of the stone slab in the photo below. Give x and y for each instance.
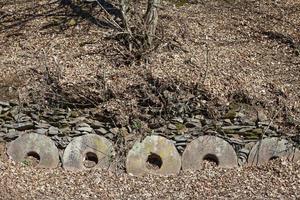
(271, 148)
(75, 153)
(35, 143)
(162, 152)
(211, 148)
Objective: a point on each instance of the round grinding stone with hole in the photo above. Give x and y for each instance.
(39, 146)
(210, 148)
(87, 149)
(272, 148)
(154, 155)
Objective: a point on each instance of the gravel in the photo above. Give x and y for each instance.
(278, 180)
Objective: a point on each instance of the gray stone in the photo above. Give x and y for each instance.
(24, 126)
(5, 130)
(110, 136)
(191, 124)
(77, 120)
(244, 151)
(85, 129)
(218, 124)
(207, 122)
(2, 135)
(236, 141)
(193, 120)
(195, 132)
(60, 111)
(272, 148)
(232, 127)
(12, 134)
(96, 124)
(5, 109)
(62, 143)
(242, 161)
(34, 144)
(42, 124)
(65, 130)
(55, 138)
(68, 138)
(41, 131)
(180, 144)
(9, 126)
(265, 123)
(101, 131)
(239, 115)
(57, 117)
(19, 116)
(177, 120)
(180, 148)
(161, 129)
(227, 122)
(53, 131)
(154, 155)
(81, 148)
(6, 117)
(180, 138)
(270, 132)
(34, 116)
(248, 122)
(63, 122)
(172, 127)
(262, 116)
(75, 133)
(210, 148)
(115, 130)
(82, 124)
(4, 104)
(201, 117)
(246, 129)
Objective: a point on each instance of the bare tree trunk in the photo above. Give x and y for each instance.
(151, 20)
(124, 9)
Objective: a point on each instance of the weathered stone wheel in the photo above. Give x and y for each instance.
(272, 148)
(154, 155)
(209, 148)
(34, 145)
(88, 151)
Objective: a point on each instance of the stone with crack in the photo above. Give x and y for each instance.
(210, 148)
(154, 155)
(34, 145)
(88, 149)
(272, 148)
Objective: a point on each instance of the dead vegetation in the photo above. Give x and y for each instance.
(70, 53)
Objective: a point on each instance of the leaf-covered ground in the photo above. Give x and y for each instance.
(68, 53)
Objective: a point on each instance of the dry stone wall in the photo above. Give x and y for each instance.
(228, 141)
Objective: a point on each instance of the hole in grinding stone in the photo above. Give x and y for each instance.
(154, 161)
(90, 160)
(273, 158)
(211, 160)
(32, 159)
